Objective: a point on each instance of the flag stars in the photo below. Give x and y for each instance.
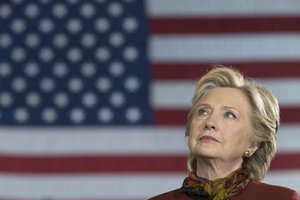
(17, 1)
(19, 84)
(133, 114)
(18, 26)
(5, 40)
(33, 99)
(46, 25)
(5, 69)
(100, 1)
(102, 25)
(116, 69)
(18, 54)
(44, 1)
(60, 40)
(130, 54)
(31, 69)
(46, 54)
(88, 40)
(59, 11)
(6, 99)
(105, 115)
(75, 62)
(47, 84)
(49, 115)
(117, 99)
(21, 115)
(130, 24)
(89, 99)
(116, 39)
(61, 100)
(77, 115)
(32, 11)
(32, 40)
(75, 85)
(87, 10)
(74, 55)
(72, 1)
(88, 69)
(115, 9)
(74, 26)
(5, 11)
(103, 84)
(132, 84)
(60, 70)
(102, 54)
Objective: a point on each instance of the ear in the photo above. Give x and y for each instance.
(253, 147)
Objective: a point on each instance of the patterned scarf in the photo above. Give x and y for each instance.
(220, 189)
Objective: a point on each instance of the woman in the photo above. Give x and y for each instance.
(231, 134)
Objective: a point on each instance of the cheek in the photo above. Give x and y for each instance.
(193, 134)
(196, 125)
(238, 137)
(192, 143)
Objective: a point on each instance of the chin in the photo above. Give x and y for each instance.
(202, 152)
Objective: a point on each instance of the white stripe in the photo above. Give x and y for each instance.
(130, 186)
(175, 8)
(286, 90)
(172, 94)
(216, 48)
(288, 138)
(113, 140)
(288, 179)
(178, 94)
(139, 140)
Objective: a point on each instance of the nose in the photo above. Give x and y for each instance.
(210, 123)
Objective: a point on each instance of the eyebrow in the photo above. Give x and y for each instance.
(230, 107)
(224, 107)
(204, 104)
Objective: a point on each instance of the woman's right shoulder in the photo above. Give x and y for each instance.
(258, 190)
(174, 194)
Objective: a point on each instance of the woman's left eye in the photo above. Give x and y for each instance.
(230, 115)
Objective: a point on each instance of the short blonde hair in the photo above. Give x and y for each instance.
(264, 116)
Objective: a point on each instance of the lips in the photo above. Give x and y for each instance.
(208, 138)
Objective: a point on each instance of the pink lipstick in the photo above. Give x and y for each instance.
(208, 138)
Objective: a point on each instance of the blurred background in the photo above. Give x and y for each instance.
(94, 95)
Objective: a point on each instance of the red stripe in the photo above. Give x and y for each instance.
(286, 161)
(69, 198)
(175, 71)
(115, 164)
(92, 164)
(179, 116)
(224, 25)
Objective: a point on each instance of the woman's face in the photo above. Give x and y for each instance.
(221, 127)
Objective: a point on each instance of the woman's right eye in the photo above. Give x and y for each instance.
(202, 112)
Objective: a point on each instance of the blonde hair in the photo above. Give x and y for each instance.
(264, 116)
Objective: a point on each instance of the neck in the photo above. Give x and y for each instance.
(214, 169)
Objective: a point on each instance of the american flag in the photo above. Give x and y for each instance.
(94, 94)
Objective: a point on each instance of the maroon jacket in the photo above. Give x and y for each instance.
(254, 191)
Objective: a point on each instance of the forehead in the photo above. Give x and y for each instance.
(226, 97)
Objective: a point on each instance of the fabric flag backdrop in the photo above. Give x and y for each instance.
(94, 94)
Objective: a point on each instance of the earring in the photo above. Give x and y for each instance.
(247, 153)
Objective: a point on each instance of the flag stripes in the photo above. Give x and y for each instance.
(209, 25)
(259, 38)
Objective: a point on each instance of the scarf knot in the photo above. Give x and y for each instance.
(220, 189)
